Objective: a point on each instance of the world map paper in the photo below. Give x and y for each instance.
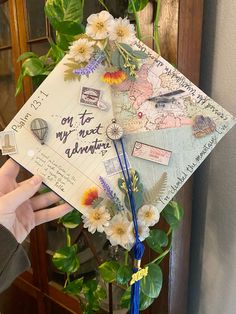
(170, 127)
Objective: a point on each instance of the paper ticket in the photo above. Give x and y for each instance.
(151, 153)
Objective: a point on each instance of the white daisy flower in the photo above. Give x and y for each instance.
(118, 230)
(148, 215)
(81, 50)
(98, 24)
(96, 219)
(143, 232)
(121, 30)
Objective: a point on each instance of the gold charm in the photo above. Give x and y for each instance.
(114, 131)
(142, 272)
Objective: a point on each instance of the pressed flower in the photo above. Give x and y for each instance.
(118, 230)
(97, 27)
(115, 77)
(110, 194)
(81, 50)
(96, 219)
(89, 196)
(143, 232)
(121, 30)
(148, 215)
(92, 65)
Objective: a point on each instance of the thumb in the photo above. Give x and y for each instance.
(22, 193)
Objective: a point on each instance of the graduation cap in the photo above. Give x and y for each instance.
(178, 129)
(118, 153)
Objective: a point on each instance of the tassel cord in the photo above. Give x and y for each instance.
(128, 183)
(138, 247)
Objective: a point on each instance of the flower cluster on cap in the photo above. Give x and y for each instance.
(104, 212)
(107, 41)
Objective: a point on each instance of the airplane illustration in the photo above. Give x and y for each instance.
(162, 100)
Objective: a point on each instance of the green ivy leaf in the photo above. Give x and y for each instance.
(144, 302)
(65, 16)
(173, 214)
(32, 67)
(100, 293)
(26, 55)
(124, 274)
(74, 287)
(93, 294)
(108, 270)
(125, 299)
(156, 240)
(71, 220)
(38, 79)
(65, 259)
(63, 41)
(90, 286)
(138, 4)
(152, 283)
(19, 84)
(56, 52)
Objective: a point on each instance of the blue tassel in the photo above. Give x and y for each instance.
(138, 248)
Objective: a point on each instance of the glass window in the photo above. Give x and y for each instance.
(7, 91)
(40, 48)
(5, 38)
(36, 19)
(7, 87)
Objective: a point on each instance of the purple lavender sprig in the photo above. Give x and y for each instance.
(92, 65)
(110, 194)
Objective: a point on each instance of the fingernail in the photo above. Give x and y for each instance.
(35, 180)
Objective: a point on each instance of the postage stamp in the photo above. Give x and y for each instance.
(112, 165)
(90, 96)
(8, 142)
(151, 153)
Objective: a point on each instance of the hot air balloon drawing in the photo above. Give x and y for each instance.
(39, 127)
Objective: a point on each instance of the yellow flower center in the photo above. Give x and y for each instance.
(148, 214)
(100, 25)
(81, 50)
(120, 231)
(121, 32)
(97, 216)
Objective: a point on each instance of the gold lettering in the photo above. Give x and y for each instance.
(142, 272)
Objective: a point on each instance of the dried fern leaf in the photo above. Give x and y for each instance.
(152, 196)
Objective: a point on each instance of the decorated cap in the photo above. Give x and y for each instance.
(122, 129)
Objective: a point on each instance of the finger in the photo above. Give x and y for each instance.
(14, 199)
(10, 168)
(49, 214)
(23, 182)
(44, 200)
